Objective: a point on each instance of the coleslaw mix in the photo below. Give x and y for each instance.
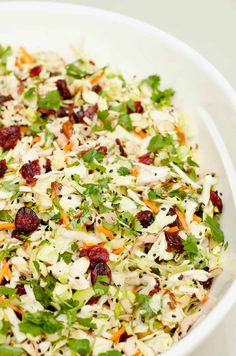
(110, 236)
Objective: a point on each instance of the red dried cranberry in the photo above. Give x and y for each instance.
(35, 71)
(102, 149)
(5, 98)
(91, 111)
(26, 220)
(83, 252)
(98, 254)
(63, 89)
(174, 242)
(216, 201)
(171, 212)
(97, 88)
(48, 166)
(3, 167)
(101, 269)
(20, 289)
(16, 235)
(93, 300)
(9, 137)
(121, 148)
(76, 117)
(29, 170)
(46, 112)
(146, 158)
(145, 217)
(208, 283)
(63, 111)
(137, 108)
(156, 288)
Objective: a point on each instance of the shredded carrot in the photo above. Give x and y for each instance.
(17, 310)
(67, 128)
(65, 219)
(18, 63)
(84, 228)
(6, 226)
(137, 353)
(205, 299)
(197, 218)
(142, 134)
(36, 139)
(23, 129)
(96, 79)
(26, 57)
(102, 229)
(78, 215)
(182, 220)
(135, 171)
(172, 229)
(68, 147)
(4, 270)
(8, 272)
(118, 250)
(181, 135)
(117, 335)
(151, 205)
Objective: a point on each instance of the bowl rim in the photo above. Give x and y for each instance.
(201, 331)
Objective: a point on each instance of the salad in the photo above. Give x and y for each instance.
(110, 235)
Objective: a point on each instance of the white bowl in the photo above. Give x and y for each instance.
(138, 48)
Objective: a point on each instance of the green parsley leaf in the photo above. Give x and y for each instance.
(93, 157)
(191, 162)
(214, 226)
(5, 326)
(43, 294)
(101, 285)
(51, 101)
(7, 291)
(179, 194)
(5, 216)
(190, 246)
(66, 256)
(6, 350)
(39, 322)
(131, 105)
(38, 126)
(143, 303)
(153, 194)
(162, 98)
(103, 116)
(121, 108)
(81, 346)
(74, 246)
(30, 94)
(125, 121)
(153, 81)
(73, 71)
(123, 171)
(76, 177)
(87, 323)
(110, 353)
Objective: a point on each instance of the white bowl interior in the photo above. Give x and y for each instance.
(136, 48)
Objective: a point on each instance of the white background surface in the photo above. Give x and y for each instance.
(209, 26)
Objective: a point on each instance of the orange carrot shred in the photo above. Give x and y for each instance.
(197, 218)
(105, 231)
(36, 139)
(68, 147)
(4, 271)
(26, 57)
(6, 226)
(118, 250)
(65, 219)
(181, 135)
(172, 229)
(205, 299)
(142, 134)
(117, 335)
(135, 171)
(182, 220)
(151, 205)
(96, 79)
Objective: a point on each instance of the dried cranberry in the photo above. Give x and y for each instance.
(46, 112)
(9, 137)
(91, 111)
(62, 112)
(171, 212)
(101, 269)
(174, 242)
(216, 201)
(35, 71)
(56, 187)
(207, 284)
(20, 289)
(16, 235)
(63, 89)
(124, 337)
(98, 254)
(76, 117)
(26, 220)
(97, 88)
(145, 217)
(83, 252)
(147, 158)
(156, 288)
(30, 170)
(5, 98)
(137, 108)
(3, 167)
(121, 148)
(102, 149)
(48, 166)
(93, 300)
